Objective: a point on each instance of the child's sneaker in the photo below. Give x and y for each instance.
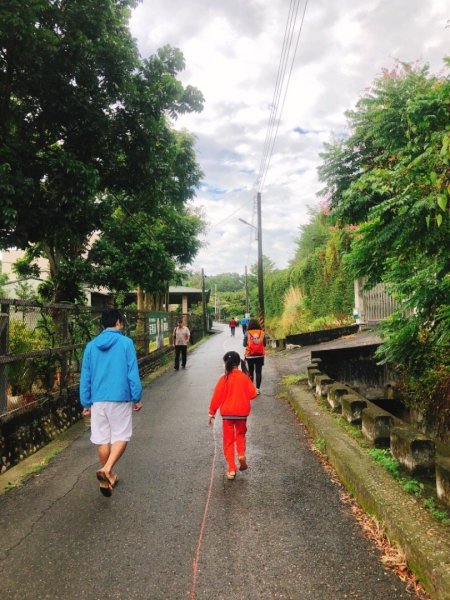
(231, 474)
(242, 463)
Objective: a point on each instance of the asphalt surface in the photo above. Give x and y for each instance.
(175, 527)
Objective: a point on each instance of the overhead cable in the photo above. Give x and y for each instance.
(272, 129)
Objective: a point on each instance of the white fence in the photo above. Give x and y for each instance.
(374, 305)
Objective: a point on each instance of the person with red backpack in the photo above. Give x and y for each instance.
(254, 344)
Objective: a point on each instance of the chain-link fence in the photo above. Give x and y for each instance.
(41, 345)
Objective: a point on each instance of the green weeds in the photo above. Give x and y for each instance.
(294, 379)
(385, 458)
(440, 515)
(321, 445)
(411, 486)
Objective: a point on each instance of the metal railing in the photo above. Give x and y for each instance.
(41, 345)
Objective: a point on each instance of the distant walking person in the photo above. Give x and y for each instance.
(254, 344)
(232, 396)
(110, 389)
(244, 323)
(233, 325)
(181, 336)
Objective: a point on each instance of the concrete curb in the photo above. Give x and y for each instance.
(406, 523)
(16, 475)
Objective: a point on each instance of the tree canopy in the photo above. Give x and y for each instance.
(391, 179)
(84, 119)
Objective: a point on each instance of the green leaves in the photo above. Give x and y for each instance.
(391, 176)
(81, 115)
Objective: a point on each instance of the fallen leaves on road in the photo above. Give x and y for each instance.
(393, 558)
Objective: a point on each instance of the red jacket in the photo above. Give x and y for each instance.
(232, 395)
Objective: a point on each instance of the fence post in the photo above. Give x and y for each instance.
(64, 355)
(4, 337)
(146, 333)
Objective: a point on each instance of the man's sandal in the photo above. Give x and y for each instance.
(106, 486)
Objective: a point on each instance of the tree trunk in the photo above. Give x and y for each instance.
(140, 298)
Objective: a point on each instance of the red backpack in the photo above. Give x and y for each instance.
(255, 343)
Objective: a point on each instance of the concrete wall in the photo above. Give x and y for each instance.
(357, 367)
(317, 337)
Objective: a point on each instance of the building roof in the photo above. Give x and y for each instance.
(194, 295)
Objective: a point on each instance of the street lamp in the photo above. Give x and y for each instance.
(250, 225)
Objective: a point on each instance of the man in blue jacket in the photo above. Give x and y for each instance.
(110, 389)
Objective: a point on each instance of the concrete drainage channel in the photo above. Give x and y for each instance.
(407, 524)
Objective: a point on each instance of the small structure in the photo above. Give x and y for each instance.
(186, 297)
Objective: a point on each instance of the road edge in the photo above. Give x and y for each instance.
(406, 523)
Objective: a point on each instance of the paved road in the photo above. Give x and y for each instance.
(175, 527)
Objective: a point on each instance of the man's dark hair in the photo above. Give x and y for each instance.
(110, 317)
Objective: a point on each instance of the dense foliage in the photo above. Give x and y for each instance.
(316, 291)
(391, 177)
(84, 121)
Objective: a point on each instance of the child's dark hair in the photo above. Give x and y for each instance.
(233, 360)
(253, 324)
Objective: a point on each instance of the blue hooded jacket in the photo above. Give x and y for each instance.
(109, 372)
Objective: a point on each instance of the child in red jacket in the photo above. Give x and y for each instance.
(232, 395)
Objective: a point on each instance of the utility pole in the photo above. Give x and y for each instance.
(260, 264)
(205, 328)
(247, 305)
(215, 302)
(260, 261)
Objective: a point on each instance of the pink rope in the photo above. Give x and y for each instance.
(202, 527)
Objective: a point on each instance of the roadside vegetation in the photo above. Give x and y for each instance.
(95, 179)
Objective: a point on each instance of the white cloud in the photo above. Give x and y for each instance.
(232, 51)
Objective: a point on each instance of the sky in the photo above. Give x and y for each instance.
(233, 51)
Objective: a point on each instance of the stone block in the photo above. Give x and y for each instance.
(352, 407)
(312, 374)
(413, 450)
(278, 344)
(335, 393)
(443, 479)
(323, 382)
(376, 426)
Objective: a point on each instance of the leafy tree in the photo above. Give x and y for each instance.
(24, 290)
(392, 177)
(145, 251)
(232, 304)
(80, 115)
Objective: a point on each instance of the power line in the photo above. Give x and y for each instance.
(279, 83)
(231, 214)
(271, 137)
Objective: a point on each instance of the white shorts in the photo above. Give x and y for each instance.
(111, 422)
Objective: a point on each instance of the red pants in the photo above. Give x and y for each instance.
(234, 431)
